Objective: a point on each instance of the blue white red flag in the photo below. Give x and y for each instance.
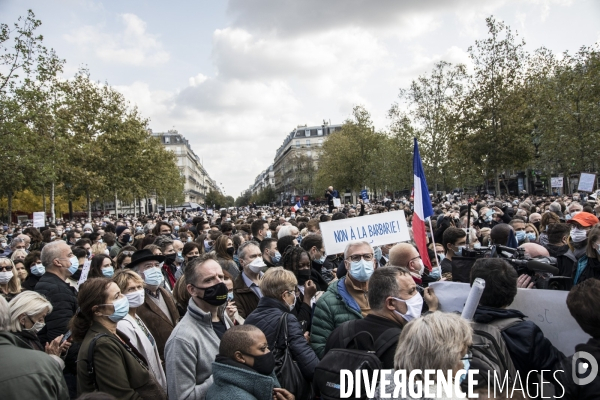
(422, 207)
(297, 206)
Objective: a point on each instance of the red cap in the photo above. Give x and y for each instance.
(584, 219)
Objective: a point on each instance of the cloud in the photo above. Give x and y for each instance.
(132, 46)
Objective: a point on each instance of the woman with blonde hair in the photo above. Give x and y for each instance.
(28, 311)
(436, 341)
(99, 248)
(10, 284)
(19, 254)
(132, 286)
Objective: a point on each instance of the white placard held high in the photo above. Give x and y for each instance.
(586, 182)
(377, 229)
(39, 219)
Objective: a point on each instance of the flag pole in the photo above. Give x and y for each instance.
(433, 240)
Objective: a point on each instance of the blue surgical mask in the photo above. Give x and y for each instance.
(441, 256)
(531, 237)
(459, 250)
(179, 254)
(299, 239)
(466, 366)
(520, 235)
(436, 273)
(268, 234)
(230, 296)
(121, 309)
(276, 257)
(108, 272)
(153, 276)
(361, 270)
(74, 264)
(38, 270)
(321, 260)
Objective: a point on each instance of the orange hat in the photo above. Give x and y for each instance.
(584, 219)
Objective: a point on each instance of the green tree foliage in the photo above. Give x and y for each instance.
(76, 135)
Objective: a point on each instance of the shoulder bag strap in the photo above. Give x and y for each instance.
(90, 358)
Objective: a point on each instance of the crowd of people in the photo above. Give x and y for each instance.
(191, 305)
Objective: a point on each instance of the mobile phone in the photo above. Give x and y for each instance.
(66, 337)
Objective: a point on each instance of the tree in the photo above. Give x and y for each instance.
(244, 199)
(215, 199)
(494, 132)
(433, 103)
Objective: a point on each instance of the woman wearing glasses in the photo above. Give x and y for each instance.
(124, 257)
(278, 287)
(10, 284)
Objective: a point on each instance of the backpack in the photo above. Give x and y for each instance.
(327, 372)
(490, 354)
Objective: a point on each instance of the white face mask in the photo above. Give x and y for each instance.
(136, 298)
(257, 265)
(5, 277)
(414, 305)
(578, 235)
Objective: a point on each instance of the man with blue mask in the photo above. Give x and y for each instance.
(313, 244)
(454, 241)
(518, 226)
(60, 263)
(158, 312)
(347, 299)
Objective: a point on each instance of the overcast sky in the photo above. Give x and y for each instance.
(236, 77)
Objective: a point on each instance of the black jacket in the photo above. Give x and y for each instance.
(64, 304)
(572, 391)
(376, 326)
(528, 347)
(591, 269)
(30, 282)
(565, 259)
(266, 318)
(317, 277)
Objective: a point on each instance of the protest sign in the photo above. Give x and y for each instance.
(364, 196)
(39, 219)
(377, 229)
(337, 202)
(546, 308)
(556, 182)
(586, 182)
(84, 272)
(209, 211)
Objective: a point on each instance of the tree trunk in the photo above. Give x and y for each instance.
(44, 201)
(116, 208)
(52, 212)
(497, 183)
(135, 207)
(89, 205)
(10, 199)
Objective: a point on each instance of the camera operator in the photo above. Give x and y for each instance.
(558, 235)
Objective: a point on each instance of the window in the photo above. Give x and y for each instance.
(297, 143)
(308, 142)
(319, 132)
(307, 132)
(167, 140)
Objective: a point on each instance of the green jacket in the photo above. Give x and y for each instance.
(335, 307)
(117, 372)
(28, 374)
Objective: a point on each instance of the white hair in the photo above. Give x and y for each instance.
(50, 252)
(285, 231)
(29, 303)
(356, 244)
(4, 315)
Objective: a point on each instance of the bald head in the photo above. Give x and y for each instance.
(402, 253)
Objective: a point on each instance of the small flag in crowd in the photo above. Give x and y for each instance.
(422, 205)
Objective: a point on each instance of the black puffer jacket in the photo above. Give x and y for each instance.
(266, 318)
(64, 304)
(528, 347)
(30, 282)
(565, 259)
(571, 390)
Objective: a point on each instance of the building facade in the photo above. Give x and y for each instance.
(297, 160)
(197, 181)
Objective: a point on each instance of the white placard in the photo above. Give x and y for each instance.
(586, 182)
(377, 229)
(84, 271)
(546, 308)
(337, 202)
(39, 219)
(556, 182)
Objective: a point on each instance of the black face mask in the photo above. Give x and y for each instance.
(215, 295)
(170, 258)
(125, 238)
(190, 259)
(76, 275)
(230, 251)
(264, 364)
(302, 276)
(537, 225)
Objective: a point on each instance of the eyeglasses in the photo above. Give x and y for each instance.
(5, 268)
(158, 265)
(413, 259)
(128, 253)
(358, 257)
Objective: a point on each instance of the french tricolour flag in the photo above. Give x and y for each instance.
(299, 206)
(422, 205)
